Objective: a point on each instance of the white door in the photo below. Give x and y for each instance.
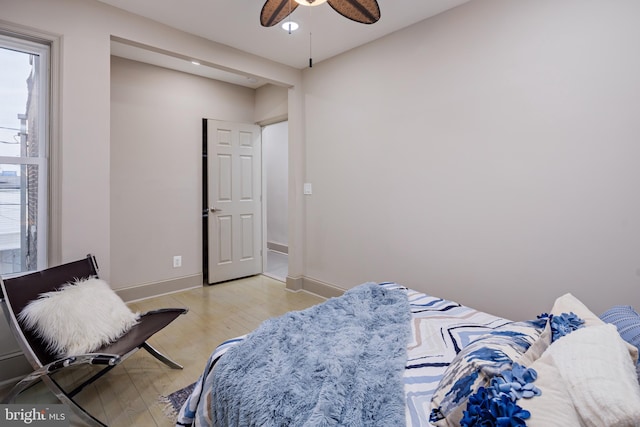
(235, 199)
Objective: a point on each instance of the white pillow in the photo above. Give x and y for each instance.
(590, 369)
(79, 318)
(554, 406)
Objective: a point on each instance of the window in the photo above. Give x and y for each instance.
(24, 136)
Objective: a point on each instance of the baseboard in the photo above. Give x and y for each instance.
(313, 286)
(278, 247)
(149, 290)
(294, 283)
(13, 367)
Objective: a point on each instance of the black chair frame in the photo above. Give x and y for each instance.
(17, 292)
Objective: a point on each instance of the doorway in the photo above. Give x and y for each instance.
(275, 158)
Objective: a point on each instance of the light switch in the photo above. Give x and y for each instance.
(307, 188)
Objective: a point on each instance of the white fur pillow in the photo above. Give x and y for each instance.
(79, 318)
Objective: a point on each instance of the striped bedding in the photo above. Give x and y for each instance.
(440, 328)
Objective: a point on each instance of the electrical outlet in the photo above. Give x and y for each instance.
(177, 261)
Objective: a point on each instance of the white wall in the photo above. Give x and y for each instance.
(271, 104)
(487, 155)
(156, 168)
(275, 157)
(84, 29)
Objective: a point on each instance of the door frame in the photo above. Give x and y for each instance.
(205, 204)
(265, 239)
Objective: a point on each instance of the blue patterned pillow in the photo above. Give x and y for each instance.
(477, 364)
(627, 321)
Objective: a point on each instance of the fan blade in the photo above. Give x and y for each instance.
(363, 11)
(275, 11)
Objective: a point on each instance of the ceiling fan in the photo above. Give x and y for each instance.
(363, 11)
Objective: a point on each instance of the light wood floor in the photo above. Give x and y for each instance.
(129, 394)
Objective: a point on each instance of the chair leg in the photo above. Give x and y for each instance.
(161, 357)
(67, 400)
(24, 384)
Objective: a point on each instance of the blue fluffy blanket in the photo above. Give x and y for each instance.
(339, 363)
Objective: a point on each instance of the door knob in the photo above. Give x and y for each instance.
(214, 210)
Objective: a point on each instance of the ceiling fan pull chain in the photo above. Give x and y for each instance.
(310, 60)
(310, 27)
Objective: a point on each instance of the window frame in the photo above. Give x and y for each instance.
(46, 47)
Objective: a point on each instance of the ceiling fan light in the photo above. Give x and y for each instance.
(290, 26)
(310, 2)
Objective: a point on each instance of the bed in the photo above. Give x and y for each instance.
(386, 355)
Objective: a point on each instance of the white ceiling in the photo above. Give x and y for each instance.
(236, 23)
